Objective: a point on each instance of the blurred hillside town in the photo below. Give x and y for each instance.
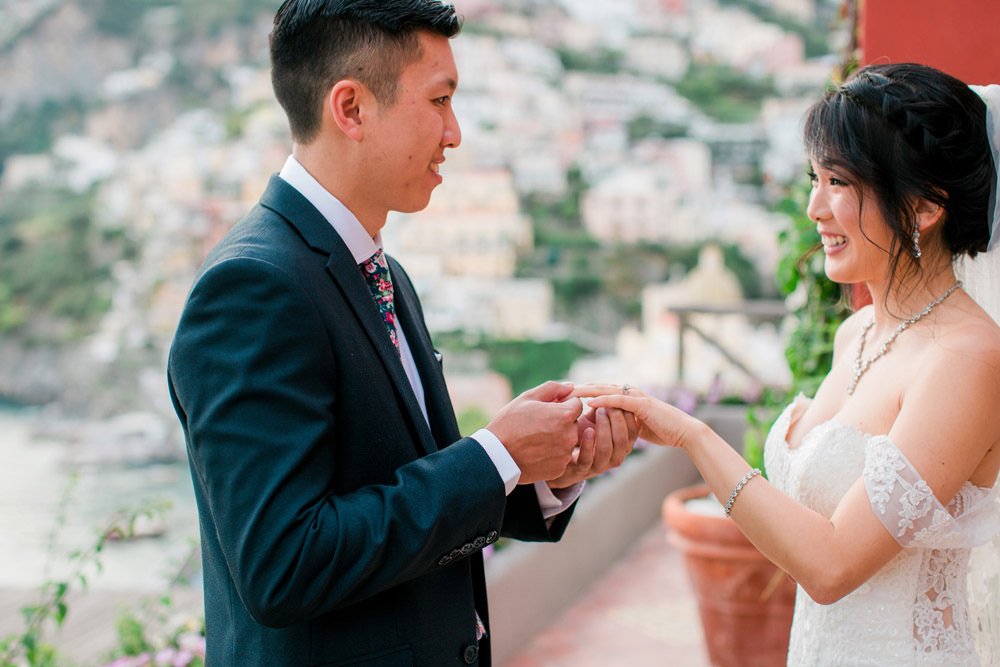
(621, 168)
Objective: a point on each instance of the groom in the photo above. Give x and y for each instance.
(342, 515)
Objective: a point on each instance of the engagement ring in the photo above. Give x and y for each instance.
(625, 389)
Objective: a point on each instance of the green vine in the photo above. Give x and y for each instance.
(30, 647)
(819, 306)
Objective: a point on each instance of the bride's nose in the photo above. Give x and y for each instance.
(817, 208)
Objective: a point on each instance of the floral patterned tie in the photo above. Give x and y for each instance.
(376, 272)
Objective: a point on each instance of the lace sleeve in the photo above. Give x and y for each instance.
(908, 509)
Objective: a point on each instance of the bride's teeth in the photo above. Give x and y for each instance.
(434, 167)
(834, 241)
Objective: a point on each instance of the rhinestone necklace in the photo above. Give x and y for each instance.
(860, 367)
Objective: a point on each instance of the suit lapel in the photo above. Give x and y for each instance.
(438, 402)
(347, 276)
(317, 232)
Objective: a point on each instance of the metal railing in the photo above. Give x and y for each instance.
(756, 312)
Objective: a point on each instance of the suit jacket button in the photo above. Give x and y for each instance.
(445, 560)
(479, 542)
(492, 536)
(467, 549)
(470, 654)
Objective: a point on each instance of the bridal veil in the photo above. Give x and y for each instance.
(981, 279)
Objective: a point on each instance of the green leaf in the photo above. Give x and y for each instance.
(131, 636)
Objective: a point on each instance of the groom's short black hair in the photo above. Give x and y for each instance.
(315, 43)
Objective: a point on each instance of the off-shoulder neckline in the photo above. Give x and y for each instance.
(785, 424)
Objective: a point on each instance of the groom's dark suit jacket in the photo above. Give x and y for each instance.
(336, 527)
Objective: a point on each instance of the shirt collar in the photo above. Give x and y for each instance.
(345, 223)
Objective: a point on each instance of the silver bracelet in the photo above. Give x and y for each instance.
(739, 487)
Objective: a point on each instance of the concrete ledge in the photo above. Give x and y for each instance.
(531, 583)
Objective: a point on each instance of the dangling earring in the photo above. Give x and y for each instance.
(916, 242)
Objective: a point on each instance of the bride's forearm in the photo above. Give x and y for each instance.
(719, 464)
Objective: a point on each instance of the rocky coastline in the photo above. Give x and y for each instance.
(111, 414)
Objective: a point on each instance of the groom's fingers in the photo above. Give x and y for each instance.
(550, 392)
(621, 443)
(604, 446)
(635, 410)
(585, 454)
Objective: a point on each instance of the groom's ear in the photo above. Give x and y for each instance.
(343, 106)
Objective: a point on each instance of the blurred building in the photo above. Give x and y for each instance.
(735, 37)
(461, 252)
(658, 197)
(649, 356)
(473, 227)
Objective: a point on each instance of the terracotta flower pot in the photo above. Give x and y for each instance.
(745, 601)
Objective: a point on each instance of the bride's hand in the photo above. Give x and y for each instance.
(659, 423)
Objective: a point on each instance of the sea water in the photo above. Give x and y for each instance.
(50, 507)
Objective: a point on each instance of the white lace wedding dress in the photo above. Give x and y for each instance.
(914, 611)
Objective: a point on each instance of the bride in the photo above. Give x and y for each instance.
(880, 485)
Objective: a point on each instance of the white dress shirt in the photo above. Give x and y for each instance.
(362, 247)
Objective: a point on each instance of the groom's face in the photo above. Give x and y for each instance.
(409, 137)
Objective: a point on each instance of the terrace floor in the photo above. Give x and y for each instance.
(642, 613)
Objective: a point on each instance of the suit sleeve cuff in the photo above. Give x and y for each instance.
(505, 465)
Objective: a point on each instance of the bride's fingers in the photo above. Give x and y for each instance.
(593, 390)
(630, 404)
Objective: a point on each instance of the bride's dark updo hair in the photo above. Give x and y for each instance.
(906, 131)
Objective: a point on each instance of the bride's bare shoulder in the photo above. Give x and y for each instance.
(973, 339)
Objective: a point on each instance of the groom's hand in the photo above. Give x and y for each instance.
(539, 429)
(605, 438)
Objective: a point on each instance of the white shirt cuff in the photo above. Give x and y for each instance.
(504, 462)
(555, 501)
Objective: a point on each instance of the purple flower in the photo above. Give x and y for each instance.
(193, 643)
(165, 657)
(715, 392)
(124, 661)
(753, 393)
(684, 399)
(141, 660)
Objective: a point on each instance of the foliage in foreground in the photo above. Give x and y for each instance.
(32, 645)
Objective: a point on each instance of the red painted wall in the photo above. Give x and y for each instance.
(961, 37)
